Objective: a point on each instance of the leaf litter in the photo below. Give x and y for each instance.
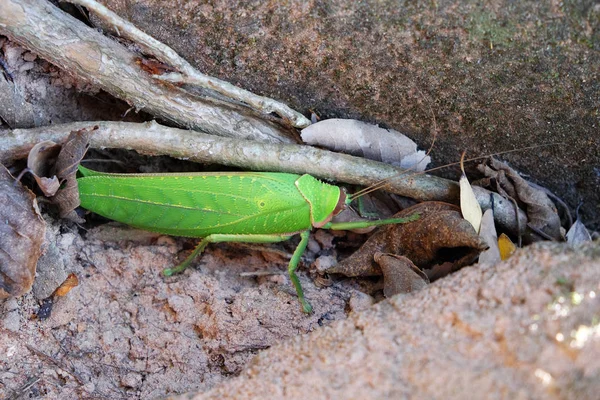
(488, 232)
(439, 242)
(21, 236)
(23, 230)
(541, 211)
(469, 206)
(407, 255)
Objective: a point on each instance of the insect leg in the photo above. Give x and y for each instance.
(219, 238)
(365, 224)
(293, 265)
(186, 263)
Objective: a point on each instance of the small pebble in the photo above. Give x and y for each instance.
(360, 301)
(131, 380)
(89, 387)
(313, 246)
(12, 319)
(323, 263)
(29, 56)
(26, 66)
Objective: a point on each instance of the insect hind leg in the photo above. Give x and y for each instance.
(220, 238)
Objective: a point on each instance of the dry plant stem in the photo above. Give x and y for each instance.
(154, 139)
(90, 56)
(188, 73)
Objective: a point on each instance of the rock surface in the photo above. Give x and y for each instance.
(527, 328)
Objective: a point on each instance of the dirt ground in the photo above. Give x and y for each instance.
(126, 331)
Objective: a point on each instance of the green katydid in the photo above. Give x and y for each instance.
(250, 207)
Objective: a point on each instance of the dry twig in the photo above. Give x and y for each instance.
(154, 139)
(187, 73)
(90, 56)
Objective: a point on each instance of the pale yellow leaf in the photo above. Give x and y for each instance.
(469, 206)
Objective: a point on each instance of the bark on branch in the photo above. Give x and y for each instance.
(87, 54)
(154, 139)
(188, 74)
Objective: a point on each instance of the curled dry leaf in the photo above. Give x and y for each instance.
(40, 162)
(439, 236)
(21, 236)
(400, 275)
(67, 198)
(366, 140)
(541, 212)
(67, 285)
(488, 232)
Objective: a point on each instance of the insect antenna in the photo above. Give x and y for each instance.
(382, 183)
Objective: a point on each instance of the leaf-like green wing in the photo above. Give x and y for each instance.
(197, 205)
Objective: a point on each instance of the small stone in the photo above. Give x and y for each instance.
(26, 66)
(29, 56)
(12, 319)
(131, 380)
(360, 301)
(313, 246)
(89, 387)
(323, 263)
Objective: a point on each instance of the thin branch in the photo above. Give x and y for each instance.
(154, 139)
(90, 56)
(189, 74)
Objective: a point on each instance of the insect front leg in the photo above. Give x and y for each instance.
(343, 226)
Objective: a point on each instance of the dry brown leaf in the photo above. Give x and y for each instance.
(67, 285)
(21, 236)
(400, 275)
(440, 235)
(40, 162)
(72, 153)
(541, 212)
(67, 198)
(488, 232)
(366, 140)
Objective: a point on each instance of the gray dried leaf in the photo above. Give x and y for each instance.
(21, 236)
(488, 232)
(366, 140)
(541, 212)
(578, 233)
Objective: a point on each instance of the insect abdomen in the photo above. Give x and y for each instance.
(199, 205)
